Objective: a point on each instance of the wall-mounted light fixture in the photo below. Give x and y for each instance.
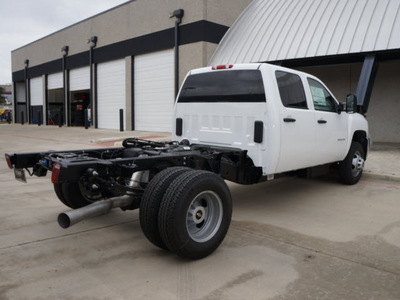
(178, 13)
(26, 63)
(93, 40)
(65, 50)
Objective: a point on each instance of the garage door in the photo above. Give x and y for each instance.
(21, 102)
(20, 89)
(154, 91)
(55, 81)
(110, 93)
(36, 91)
(79, 79)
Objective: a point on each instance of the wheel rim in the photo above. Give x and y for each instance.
(357, 164)
(87, 194)
(204, 216)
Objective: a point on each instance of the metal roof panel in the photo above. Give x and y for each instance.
(270, 30)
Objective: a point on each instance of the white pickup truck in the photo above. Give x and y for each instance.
(287, 120)
(245, 123)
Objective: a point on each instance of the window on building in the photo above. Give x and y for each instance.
(322, 99)
(291, 90)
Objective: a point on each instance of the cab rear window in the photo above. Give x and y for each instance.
(223, 86)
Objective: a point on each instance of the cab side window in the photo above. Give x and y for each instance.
(291, 90)
(322, 99)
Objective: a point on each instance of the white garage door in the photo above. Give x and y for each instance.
(111, 93)
(154, 91)
(36, 91)
(55, 81)
(20, 87)
(79, 79)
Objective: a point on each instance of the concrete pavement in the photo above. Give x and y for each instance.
(384, 161)
(290, 238)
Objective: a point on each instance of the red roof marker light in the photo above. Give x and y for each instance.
(222, 67)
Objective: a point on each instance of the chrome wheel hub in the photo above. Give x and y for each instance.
(357, 164)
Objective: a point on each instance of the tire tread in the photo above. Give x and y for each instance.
(172, 205)
(151, 201)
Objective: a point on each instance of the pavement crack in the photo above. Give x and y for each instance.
(64, 235)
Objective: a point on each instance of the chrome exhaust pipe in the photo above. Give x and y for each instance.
(102, 207)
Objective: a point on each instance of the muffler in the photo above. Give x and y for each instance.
(98, 208)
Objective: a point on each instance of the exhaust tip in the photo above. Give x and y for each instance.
(63, 220)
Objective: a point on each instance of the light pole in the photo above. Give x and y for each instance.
(93, 106)
(64, 51)
(178, 14)
(27, 102)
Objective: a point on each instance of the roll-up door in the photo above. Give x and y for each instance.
(154, 91)
(110, 93)
(36, 91)
(21, 101)
(20, 89)
(79, 87)
(55, 81)
(55, 99)
(79, 79)
(36, 109)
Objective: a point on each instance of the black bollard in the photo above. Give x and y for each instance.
(22, 118)
(39, 118)
(121, 120)
(86, 118)
(60, 118)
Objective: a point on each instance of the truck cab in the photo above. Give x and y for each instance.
(287, 120)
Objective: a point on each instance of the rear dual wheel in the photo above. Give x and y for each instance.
(75, 194)
(151, 201)
(194, 212)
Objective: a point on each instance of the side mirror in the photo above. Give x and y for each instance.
(341, 107)
(351, 103)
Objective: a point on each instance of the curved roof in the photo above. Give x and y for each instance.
(271, 30)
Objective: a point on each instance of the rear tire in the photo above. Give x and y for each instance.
(195, 214)
(151, 201)
(351, 168)
(60, 195)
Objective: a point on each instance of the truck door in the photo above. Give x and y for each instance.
(297, 136)
(331, 127)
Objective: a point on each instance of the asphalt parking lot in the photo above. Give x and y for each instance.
(290, 238)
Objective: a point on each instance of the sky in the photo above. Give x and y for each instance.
(25, 21)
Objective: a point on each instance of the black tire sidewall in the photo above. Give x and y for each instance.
(345, 166)
(73, 195)
(59, 193)
(173, 213)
